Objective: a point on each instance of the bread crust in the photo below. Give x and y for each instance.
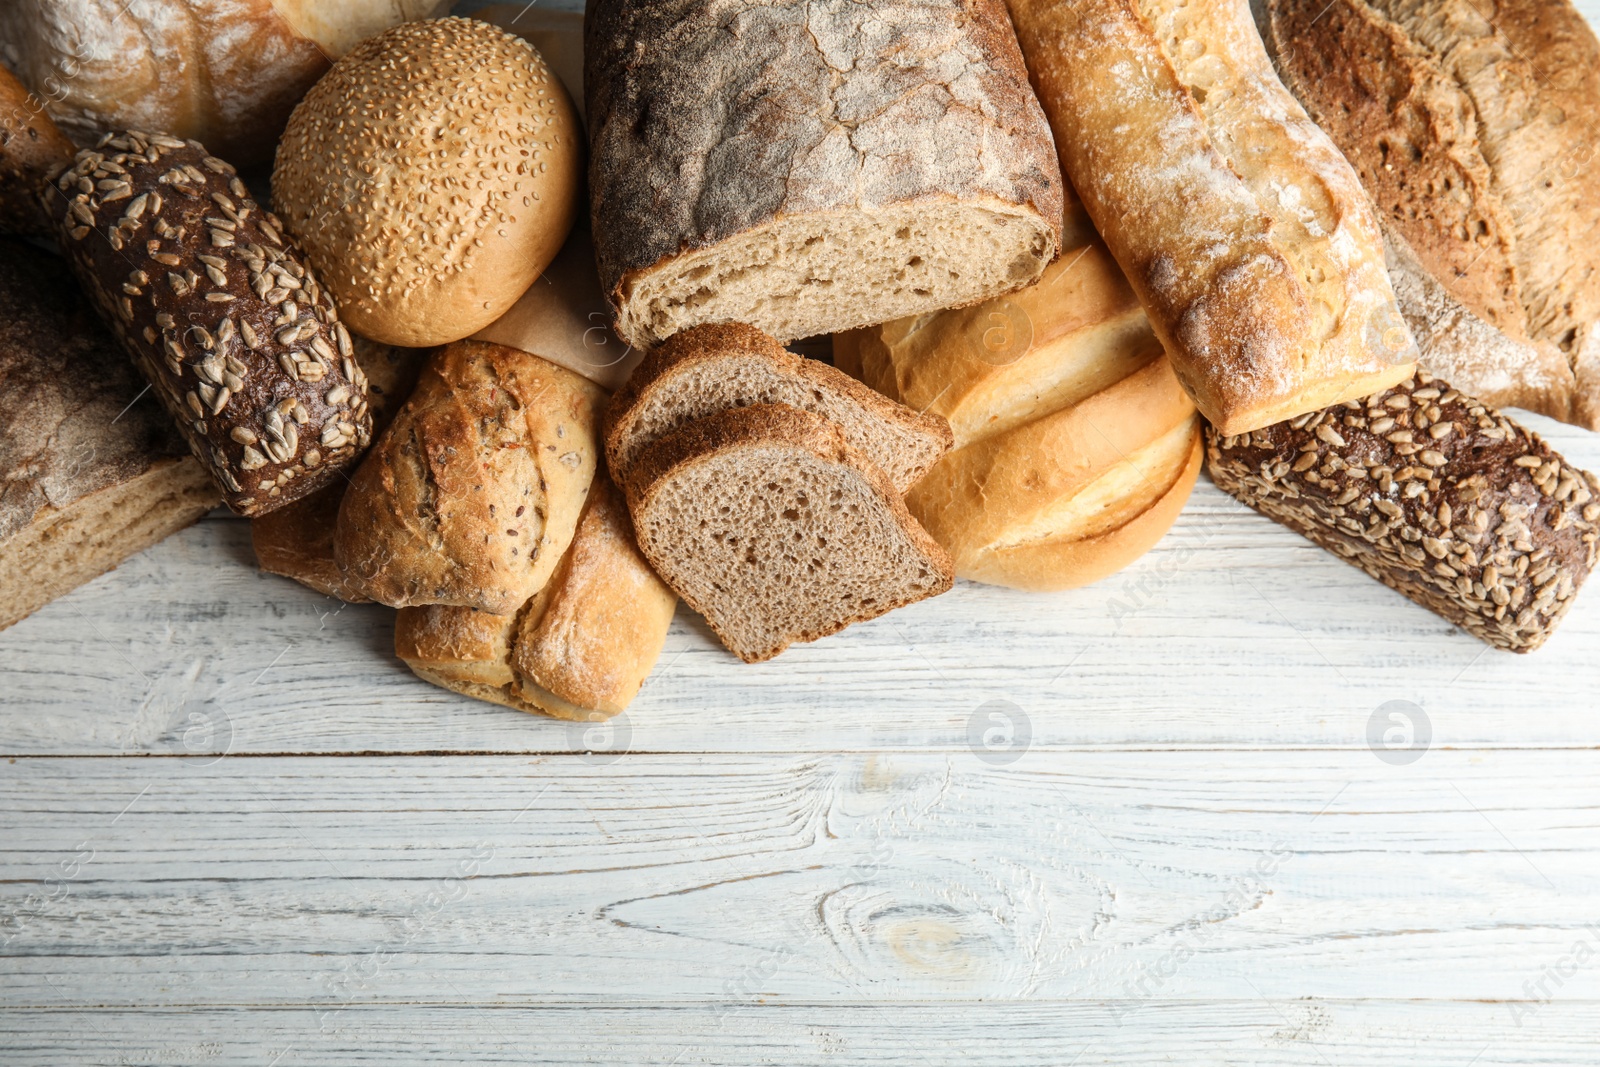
(472, 494)
(1246, 235)
(32, 149)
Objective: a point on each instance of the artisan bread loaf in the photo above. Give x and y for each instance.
(710, 368)
(769, 524)
(223, 72)
(1473, 129)
(296, 540)
(579, 649)
(471, 495)
(431, 176)
(240, 343)
(89, 472)
(1436, 495)
(31, 148)
(1246, 235)
(808, 168)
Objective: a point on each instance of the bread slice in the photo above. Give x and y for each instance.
(708, 369)
(769, 524)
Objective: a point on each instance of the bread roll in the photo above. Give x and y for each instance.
(579, 649)
(31, 147)
(223, 72)
(1436, 495)
(89, 473)
(1473, 131)
(558, 35)
(471, 495)
(237, 338)
(808, 168)
(1246, 235)
(432, 175)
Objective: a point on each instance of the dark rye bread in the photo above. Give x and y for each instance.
(1437, 496)
(240, 343)
(710, 368)
(811, 168)
(1473, 128)
(769, 524)
(31, 148)
(89, 474)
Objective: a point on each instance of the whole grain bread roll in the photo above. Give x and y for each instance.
(31, 148)
(89, 473)
(809, 168)
(1473, 129)
(471, 495)
(1245, 233)
(579, 649)
(220, 312)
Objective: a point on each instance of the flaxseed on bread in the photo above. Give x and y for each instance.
(710, 368)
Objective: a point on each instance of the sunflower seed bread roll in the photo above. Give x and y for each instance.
(1437, 496)
(220, 312)
(1245, 233)
(810, 168)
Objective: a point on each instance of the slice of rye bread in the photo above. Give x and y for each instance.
(769, 524)
(711, 368)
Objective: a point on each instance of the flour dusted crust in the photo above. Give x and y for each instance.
(713, 120)
(1246, 235)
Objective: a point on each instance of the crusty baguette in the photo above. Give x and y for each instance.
(1473, 129)
(1246, 235)
(220, 312)
(1436, 495)
(706, 369)
(31, 148)
(579, 649)
(809, 168)
(89, 473)
(769, 524)
(471, 495)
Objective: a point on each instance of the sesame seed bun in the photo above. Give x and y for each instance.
(430, 178)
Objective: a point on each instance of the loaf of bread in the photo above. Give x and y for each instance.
(579, 649)
(809, 168)
(296, 540)
(707, 369)
(89, 472)
(471, 495)
(218, 309)
(1473, 129)
(1075, 446)
(1245, 233)
(31, 147)
(223, 72)
(1437, 496)
(768, 523)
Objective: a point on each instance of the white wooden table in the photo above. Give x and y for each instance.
(235, 830)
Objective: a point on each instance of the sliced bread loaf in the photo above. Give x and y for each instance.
(712, 368)
(766, 521)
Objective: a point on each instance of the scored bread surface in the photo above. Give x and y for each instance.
(709, 368)
(770, 525)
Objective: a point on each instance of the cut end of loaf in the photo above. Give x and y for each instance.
(809, 274)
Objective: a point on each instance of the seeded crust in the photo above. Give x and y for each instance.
(810, 168)
(431, 176)
(1475, 139)
(296, 540)
(1245, 233)
(736, 562)
(31, 149)
(709, 368)
(471, 495)
(579, 649)
(240, 343)
(1437, 496)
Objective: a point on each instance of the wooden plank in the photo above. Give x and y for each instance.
(1254, 1033)
(886, 877)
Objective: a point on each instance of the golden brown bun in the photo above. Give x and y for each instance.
(558, 35)
(434, 173)
(32, 148)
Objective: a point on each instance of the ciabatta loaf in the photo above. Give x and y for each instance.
(1473, 128)
(808, 168)
(769, 524)
(1245, 233)
(710, 368)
